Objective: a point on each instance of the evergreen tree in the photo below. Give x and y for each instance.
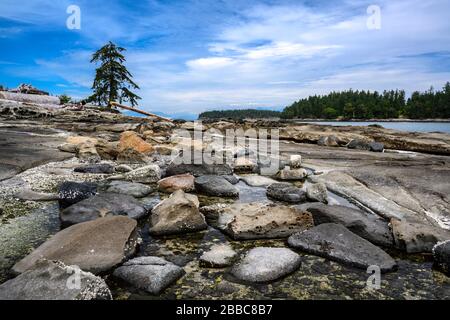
(112, 79)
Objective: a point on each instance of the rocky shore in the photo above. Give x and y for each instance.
(100, 195)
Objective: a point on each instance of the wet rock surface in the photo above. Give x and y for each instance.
(216, 186)
(286, 192)
(70, 192)
(199, 169)
(218, 256)
(137, 190)
(336, 242)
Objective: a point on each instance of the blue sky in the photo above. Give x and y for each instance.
(195, 55)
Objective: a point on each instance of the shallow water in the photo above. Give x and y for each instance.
(402, 126)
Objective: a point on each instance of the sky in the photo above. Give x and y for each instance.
(196, 55)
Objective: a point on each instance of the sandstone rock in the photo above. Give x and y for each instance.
(68, 147)
(151, 274)
(335, 242)
(365, 225)
(415, 237)
(257, 180)
(218, 256)
(102, 205)
(70, 193)
(258, 220)
(286, 192)
(177, 214)
(266, 264)
(328, 141)
(88, 153)
(441, 255)
(295, 161)
(137, 190)
(133, 148)
(94, 246)
(292, 174)
(147, 174)
(102, 168)
(49, 280)
(171, 184)
(215, 186)
(317, 192)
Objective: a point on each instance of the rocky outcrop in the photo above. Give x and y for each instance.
(216, 186)
(147, 174)
(329, 141)
(102, 205)
(137, 190)
(171, 184)
(70, 193)
(177, 214)
(335, 242)
(286, 192)
(133, 148)
(257, 220)
(150, 274)
(266, 264)
(94, 246)
(415, 237)
(49, 280)
(365, 225)
(218, 256)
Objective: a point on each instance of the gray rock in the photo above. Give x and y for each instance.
(295, 161)
(292, 174)
(231, 178)
(417, 237)
(358, 144)
(101, 205)
(317, 192)
(49, 280)
(328, 141)
(441, 255)
(286, 192)
(257, 180)
(335, 242)
(151, 274)
(94, 246)
(266, 264)
(376, 147)
(218, 256)
(123, 168)
(365, 225)
(102, 168)
(70, 193)
(146, 174)
(199, 169)
(30, 195)
(216, 186)
(177, 214)
(137, 190)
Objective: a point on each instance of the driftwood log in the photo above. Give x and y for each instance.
(145, 113)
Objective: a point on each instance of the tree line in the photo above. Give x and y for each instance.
(357, 104)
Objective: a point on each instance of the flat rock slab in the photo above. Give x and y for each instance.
(151, 274)
(102, 168)
(415, 237)
(286, 192)
(147, 174)
(137, 190)
(257, 180)
(215, 186)
(258, 220)
(335, 242)
(266, 264)
(49, 280)
(94, 246)
(199, 169)
(102, 205)
(30, 195)
(365, 225)
(218, 256)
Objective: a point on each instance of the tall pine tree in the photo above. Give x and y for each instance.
(113, 82)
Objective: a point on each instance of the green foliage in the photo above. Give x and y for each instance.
(65, 99)
(373, 105)
(239, 114)
(113, 82)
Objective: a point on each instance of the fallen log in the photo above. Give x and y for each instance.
(115, 104)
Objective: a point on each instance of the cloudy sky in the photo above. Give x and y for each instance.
(195, 55)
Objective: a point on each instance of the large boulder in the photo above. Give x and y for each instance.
(416, 237)
(218, 256)
(151, 274)
(317, 192)
(171, 184)
(147, 174)
(216, 186)
(94, 246)
(137, 190)
(257, 220)
(100, 168)
(133, 148)
(73, 192)
(441, 255)
(368, 226)
(292, 174)
(102, 205)
(359, 144)
(286, 192)
(257, 180)
(376, 146)
(266, 264)
(335, 242)
(52, 280)
(199, 169)
(177, 214)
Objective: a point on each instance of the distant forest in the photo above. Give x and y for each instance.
(357, 104)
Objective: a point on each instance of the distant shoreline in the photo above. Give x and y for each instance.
(371, 120)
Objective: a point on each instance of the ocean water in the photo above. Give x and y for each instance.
(402, 126)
